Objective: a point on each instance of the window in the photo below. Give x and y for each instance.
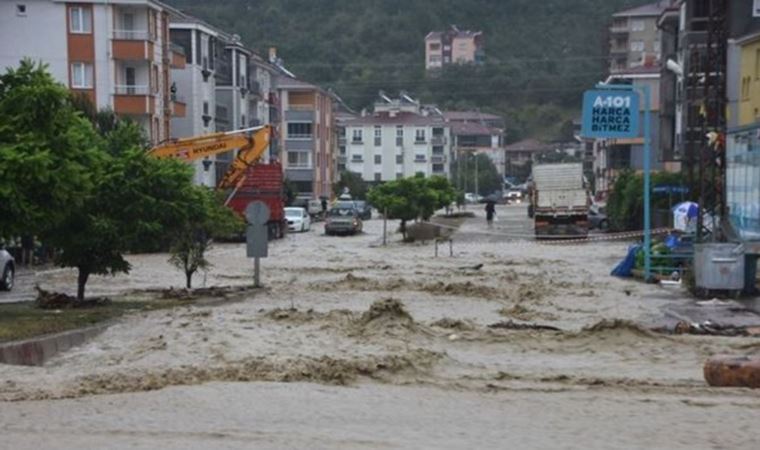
(341, 167)
(378, 136)
(420, 158)
(357, 158)
(378, 176)
(80, 19)
(399, 159)
(300, 131)
(81, 75)
(20, 9)
(205, 108)
(399, 175)
(341, 132)
(419, 135)
(435, 58)
(437, 168)
(342, 150)
(378, 159)
(435, 46)
(399, 135)
(745, 88)
(438, 150)
(637, 46)
(298, 159)
(357, 137)
(242, 121)
(638, 25)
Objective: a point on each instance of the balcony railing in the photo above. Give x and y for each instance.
(131, 35)
(303, 136)
(438, 140)
(128, 89)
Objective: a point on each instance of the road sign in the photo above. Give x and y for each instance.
(257, 213)
(610, 114)
(257, 241)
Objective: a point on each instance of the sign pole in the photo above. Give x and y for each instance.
(256, 272)
(647, 185)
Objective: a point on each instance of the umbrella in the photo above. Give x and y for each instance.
(684, 215)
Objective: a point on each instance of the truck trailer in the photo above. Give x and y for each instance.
(559, 201)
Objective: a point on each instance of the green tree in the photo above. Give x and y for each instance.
(49, 154)
(208, 219)
(136, 201)
(468, 166)
(356, 185)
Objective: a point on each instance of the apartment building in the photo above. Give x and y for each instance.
(479, 133)
(453, 46)
(635, 38)
(400, 139)
(307, 136)
(115, 53)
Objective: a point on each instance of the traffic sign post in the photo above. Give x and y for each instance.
(612, 111)
(257, 236)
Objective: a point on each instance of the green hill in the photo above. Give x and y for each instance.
(540, 54)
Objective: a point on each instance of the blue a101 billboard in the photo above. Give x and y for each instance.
(610, 114)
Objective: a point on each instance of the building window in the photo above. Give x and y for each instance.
(205, 108)
(435, 46)
(419, 135)
(357, 137)
(637, 46)
(378, 159)
(420, 158)
(378, 176)
(242, 121)
(746, 81)
(80, 19)
(341, 167)
(341, 132)
(357, 158)
(399, 159)
(298, 160)
(638, 25)
(342, 150)
(399, 175)
(20, 9)
(300, 131)
(438, 168)
(81, 75)
(438, 151)
(434, 59)
(378, 136)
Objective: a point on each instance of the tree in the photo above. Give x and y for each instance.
(209, 219)
(464, 171)
(49, 154)
(136, 201)
(412, 198)
(356, 185)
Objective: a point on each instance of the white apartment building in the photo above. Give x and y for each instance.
(400, 139)
(116, 53)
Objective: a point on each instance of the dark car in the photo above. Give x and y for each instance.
(597, 217)
(364, 209)
(343, 220)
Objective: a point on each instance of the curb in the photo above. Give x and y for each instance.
(36, 351)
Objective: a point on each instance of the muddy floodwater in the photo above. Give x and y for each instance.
(507, 344)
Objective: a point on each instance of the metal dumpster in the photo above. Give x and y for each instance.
(719, 267)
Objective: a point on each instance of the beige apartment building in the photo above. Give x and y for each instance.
(635, 38)
(116, 53)
(453, 46)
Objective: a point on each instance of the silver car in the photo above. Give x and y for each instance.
(7, 270)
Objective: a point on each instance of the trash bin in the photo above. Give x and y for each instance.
(719, 267)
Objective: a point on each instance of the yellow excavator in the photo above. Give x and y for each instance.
(251, 143)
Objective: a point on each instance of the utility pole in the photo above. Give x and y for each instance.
(477, 191)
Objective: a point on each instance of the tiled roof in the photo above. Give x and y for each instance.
(528, 145)
(400, 119)
(651, 9)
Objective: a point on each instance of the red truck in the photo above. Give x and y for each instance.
(263, 182)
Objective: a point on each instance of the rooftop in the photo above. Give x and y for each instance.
(398, 119)
(468, 116)
(528, 145)
(648, 10)
(470, 128)
(454, 31)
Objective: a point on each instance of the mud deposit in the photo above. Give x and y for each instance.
(355, 345)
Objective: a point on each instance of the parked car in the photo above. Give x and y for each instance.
(364, 208)
(7, 270)
(470, 197)
(597, 217)
(298, 219)
(343, 220)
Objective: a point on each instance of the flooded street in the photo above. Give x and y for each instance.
(510, 343)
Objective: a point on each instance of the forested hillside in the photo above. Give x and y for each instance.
(540, 54)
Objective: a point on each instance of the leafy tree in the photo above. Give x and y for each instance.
(136, 201)
(464, 171)
(356, 185)
(49, 154)
(625, 205)
(208, 219)
(412, 198)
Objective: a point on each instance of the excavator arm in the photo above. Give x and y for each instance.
(252, 143)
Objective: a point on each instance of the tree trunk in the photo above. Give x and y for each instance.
(81, 282)
(189, 279)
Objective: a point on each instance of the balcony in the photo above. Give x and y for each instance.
(132, 45)
(177, 60)
(299, 115)
(438, 140)
(342, 140)
(133, 100)
(438, 159)
(306, 143)
(179, 106)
